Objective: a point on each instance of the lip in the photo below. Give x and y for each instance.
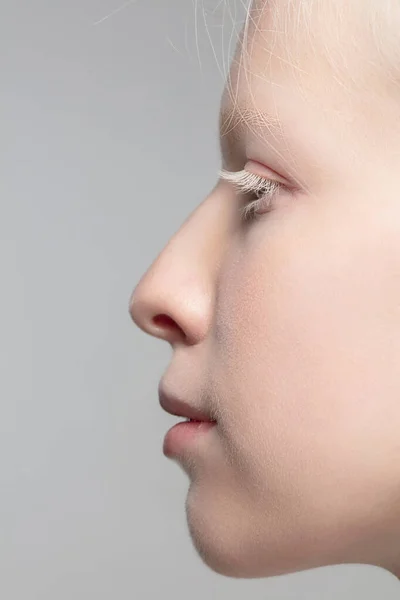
(179, 408)
(184, 437)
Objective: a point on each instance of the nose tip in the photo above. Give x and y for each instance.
(132, 308)
(158, 324)
(137, 311)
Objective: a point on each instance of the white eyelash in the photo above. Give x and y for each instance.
(247, 182)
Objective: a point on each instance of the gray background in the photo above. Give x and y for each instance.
(108, 142)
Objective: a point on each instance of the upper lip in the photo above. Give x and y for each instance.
(175, 406)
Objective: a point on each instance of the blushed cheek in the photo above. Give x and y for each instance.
(307, 349)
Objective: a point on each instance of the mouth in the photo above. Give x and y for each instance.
(188, 420)
(184, 436)
(179, 408)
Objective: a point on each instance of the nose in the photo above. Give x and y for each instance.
(174, 298)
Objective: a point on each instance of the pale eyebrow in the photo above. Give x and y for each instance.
(235, 122)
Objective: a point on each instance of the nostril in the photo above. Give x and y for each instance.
(169, 326)
(164, 321)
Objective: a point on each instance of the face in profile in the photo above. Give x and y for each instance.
(285, 319)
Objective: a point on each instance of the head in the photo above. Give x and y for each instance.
(285, 326)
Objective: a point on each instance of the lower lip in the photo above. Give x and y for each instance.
(181, 435)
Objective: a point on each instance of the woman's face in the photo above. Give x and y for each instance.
(287, 327)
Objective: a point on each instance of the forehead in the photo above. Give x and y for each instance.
(299, 51)
(297, 81)
(267, 74)
(311, 43)
(265, 59)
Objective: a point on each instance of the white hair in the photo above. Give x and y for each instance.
(358, 40)
(354, 44)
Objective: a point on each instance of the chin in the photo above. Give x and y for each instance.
(231, 558)
(226, 540)
(240, 541)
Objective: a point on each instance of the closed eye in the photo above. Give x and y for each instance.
(264, 190)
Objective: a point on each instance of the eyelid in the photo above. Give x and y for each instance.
(260, 170)
(256, 169)
(251, 180)
(246, 181)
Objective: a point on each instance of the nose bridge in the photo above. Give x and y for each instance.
(174, 298)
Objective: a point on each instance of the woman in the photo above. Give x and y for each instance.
(280, 296)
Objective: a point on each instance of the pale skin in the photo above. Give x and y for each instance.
(288, 327)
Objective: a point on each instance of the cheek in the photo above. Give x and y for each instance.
(308, 340)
